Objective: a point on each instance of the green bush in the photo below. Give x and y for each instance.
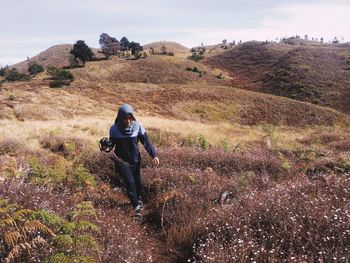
(46, 175)
(59, 83)
(13, 75)
(203, 142)
(194, 69)
(60, 77)
(196, 141)
(196, 57)
(3, 71)
(35, 68)
(60, 174)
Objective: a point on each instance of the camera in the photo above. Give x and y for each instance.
(105, 144)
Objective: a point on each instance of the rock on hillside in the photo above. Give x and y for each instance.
(317, 73)
(57, 56)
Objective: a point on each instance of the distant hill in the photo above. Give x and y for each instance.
(155, 69)
(57, 56)
(170, 46)
(317, 73)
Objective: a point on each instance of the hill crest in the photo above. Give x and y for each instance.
(170, 46)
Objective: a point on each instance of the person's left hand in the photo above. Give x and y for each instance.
(156, 161)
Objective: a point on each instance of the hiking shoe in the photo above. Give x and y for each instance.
(138, 215)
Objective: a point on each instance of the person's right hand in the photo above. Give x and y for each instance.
(156, 161)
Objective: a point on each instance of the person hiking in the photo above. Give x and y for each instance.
(124, 136)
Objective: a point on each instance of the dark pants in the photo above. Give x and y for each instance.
(131, 175)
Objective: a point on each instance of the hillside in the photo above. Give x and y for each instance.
(158, 85)
(300, 71)
(57, 56)
(156, 69)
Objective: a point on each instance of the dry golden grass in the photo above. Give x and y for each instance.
(92, 128)
(153, 69)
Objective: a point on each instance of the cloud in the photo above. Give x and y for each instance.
(317, 20)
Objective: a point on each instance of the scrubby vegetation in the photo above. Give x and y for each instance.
(13, 75)
(34, 68)
(284, 204)
(43, 236)
(60, 77)
(197, 54)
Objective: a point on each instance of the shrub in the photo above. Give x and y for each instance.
(203, 142)
(46, 174)
(60, 77)
(10, 147)
(69, 147)
(35, 68)
(163, 137)
(138, 55)
(196, 141)
(194, 69)
(268, 227)
(100, 165)
(60, 175)
(3, 71)
(13, 75)
(196, 57)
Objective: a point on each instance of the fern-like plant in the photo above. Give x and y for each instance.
(32, 236)
(74, 240)
(20, 235)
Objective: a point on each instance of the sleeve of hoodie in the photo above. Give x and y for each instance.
(145, 141)
(111, 137)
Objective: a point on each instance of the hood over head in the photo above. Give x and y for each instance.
(124, 110)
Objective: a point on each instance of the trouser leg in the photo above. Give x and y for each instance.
(137, 177)
(126, 172)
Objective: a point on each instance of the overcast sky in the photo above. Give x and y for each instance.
(31, 26)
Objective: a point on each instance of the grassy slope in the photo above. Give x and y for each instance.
(308, 72)
(57, 56)
(170, 91)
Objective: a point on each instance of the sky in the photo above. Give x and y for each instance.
(29, 27)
